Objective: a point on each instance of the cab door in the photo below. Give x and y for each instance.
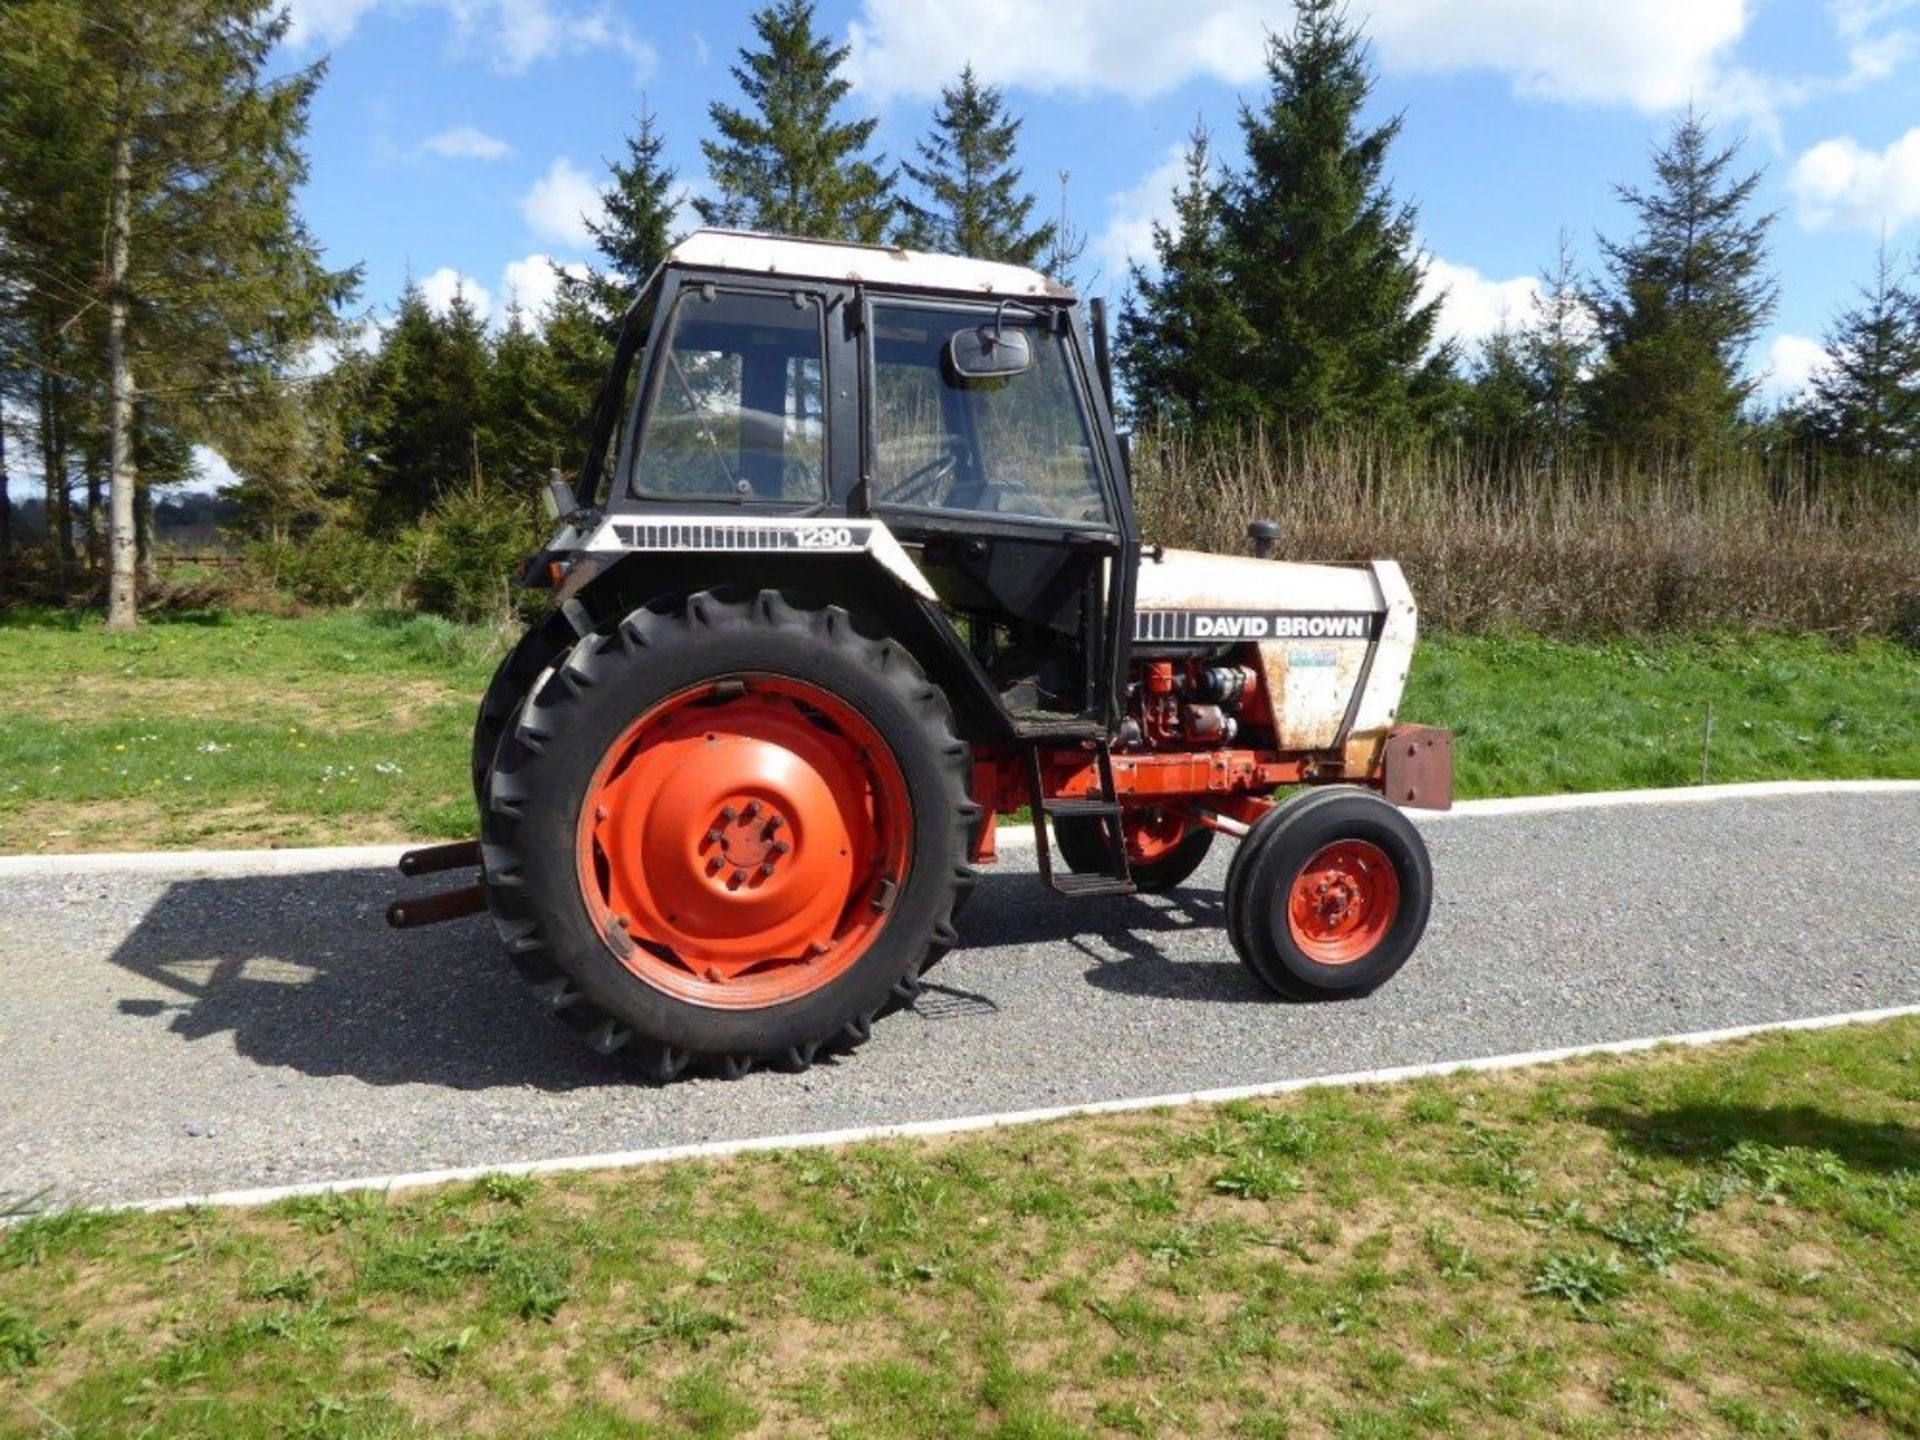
(1004, 488)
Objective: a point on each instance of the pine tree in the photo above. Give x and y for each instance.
(426, 409)
(1180, 334)
(971, 201)
(1557, 350)
(52, 195)
(784, 164)
(1323, 258)
(1687, 293)
(1498, 415)
(1864, 403)
(522, 440)
(638, 229)
(1068, 244)
(188, 152)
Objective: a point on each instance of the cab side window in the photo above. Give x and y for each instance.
(739, 409)
(1019, 445)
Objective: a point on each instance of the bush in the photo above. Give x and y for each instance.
(469, 552)
(336, 564)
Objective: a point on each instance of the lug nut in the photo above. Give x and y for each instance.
(766, 867)
(739, 877)
(781, 847)
(714, 837)
(775, 822)
(728, 813)
(753, 809)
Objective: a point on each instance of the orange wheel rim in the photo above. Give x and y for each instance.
(1343, 902)
(742, 842)
(1152, 835)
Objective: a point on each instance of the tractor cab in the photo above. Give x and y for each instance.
(957, 401)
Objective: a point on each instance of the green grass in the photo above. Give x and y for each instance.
(251, 730)
(226, 729)
(1535, 716)
(1685, 1243)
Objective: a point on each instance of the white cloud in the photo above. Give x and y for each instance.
(512, 35)
(561, 203)
(465, 142)
(322, 355)
(439, 288)
(323, 22)
(1473, 306)
(1133, 213)
(1841, 183)
(1651, 54)
(211, 472)
(533, 282)
(1792, 362)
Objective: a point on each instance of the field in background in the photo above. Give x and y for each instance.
(218, 730)
(1706, 1243)
(1595, 550)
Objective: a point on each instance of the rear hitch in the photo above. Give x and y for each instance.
(412, 911)
(456, 856)
(417, 910)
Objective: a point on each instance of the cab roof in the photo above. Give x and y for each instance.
(753, 253)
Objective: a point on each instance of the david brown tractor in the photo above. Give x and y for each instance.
(853, 570)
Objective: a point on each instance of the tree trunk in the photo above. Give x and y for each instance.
(53, 479)
(96, 533)
(143, 532)
(6, 509)
(122, 599)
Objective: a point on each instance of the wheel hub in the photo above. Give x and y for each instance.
(1343, 902)
(735, 835)
(746, 836)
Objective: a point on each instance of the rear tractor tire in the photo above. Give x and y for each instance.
(1163, 849)
(728, 830)
(1329, 894)
(538, 647)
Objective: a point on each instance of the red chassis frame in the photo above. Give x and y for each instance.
(1226, 789)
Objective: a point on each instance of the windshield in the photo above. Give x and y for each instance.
(1016, 445)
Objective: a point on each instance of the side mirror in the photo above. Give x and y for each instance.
(990, 352)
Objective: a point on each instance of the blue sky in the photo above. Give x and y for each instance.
(462, 139)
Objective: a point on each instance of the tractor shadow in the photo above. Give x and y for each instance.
(302, 972)
(1132, 943)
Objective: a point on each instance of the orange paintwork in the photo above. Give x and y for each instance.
(737, 840)
(1343, 902)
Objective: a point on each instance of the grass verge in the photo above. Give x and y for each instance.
(1690, 1243)
(221, 729)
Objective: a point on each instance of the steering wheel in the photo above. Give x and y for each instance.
(923, 480)
(1009, 495)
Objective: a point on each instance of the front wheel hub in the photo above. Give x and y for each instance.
(1343, 902)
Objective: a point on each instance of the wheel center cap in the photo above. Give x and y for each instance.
(747, 835)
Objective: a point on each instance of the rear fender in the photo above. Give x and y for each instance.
(628, 561)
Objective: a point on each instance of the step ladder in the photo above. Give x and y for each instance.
(1117, 878)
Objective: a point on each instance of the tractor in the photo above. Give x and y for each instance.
(851, 572)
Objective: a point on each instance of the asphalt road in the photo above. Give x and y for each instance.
(163, 1034)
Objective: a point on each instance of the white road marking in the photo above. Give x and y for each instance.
(960, 1125)
(1011, 836)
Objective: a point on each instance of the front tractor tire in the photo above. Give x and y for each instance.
(1329, 894)
(1163, 849)
(729, 830)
